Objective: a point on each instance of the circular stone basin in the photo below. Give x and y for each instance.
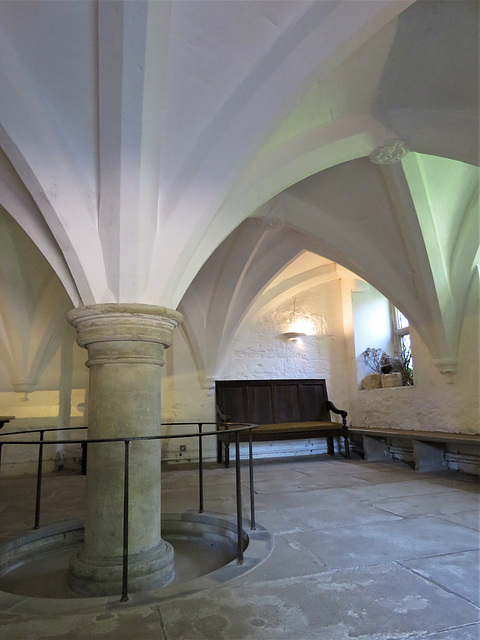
(35, 566)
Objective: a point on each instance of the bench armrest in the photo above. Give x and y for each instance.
(223, 417)
(340, 412)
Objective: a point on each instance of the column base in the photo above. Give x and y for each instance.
(92, 577)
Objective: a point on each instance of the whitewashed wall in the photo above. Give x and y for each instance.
(58, 400)
(260, 351)
(184, 400)
(436, 401)
(371, 324)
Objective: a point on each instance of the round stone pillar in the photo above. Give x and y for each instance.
(125, 344)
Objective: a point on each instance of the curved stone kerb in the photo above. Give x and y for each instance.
(124, 322)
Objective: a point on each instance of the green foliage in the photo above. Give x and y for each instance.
(406, 360)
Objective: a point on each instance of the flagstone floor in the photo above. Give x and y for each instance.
(373, 551)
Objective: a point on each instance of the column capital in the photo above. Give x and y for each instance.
(447, 367)
(127, 328)
(131, 322)
(206, 382)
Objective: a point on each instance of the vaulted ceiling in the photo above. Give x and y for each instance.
(136, 137)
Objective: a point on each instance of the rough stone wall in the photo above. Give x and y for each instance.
(40, 411)
(260, 351)
(371, 323)
(184, 400)
(435, 402)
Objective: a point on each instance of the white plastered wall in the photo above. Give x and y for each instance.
(436, 401)
(258, 351)
(183, 400)
(371, 324)
(59, 400)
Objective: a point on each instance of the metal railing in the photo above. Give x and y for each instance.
(233, 429)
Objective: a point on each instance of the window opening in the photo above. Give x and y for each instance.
(403, 344)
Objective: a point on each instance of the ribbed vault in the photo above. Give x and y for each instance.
(137, 136)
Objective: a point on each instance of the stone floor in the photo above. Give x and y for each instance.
(362, 550)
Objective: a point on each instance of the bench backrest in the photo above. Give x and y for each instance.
(272, 401)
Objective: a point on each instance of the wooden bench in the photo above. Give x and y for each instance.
(283, 409)
(428, 447)
(4, 419)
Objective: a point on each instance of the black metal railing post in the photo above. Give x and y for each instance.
(252, 488)
(39, 482)
(200, 467)
(1, 445)
(124, 597)
(239, 499)
(237, 429)
(226, 448)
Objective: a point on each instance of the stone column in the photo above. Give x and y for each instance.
(125, 344)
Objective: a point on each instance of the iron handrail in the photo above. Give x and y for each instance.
(44, 429)
(127, 440)
(245, 427)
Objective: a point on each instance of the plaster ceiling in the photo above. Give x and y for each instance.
(305, 262)
(137, 136)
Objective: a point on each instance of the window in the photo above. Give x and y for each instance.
(401, 337)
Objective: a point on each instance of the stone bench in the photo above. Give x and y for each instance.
(428, 447)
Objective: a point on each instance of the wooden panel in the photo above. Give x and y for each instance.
(260, 407)
(231, 400)
(287, 403)
(270, 401)
(314, 397)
